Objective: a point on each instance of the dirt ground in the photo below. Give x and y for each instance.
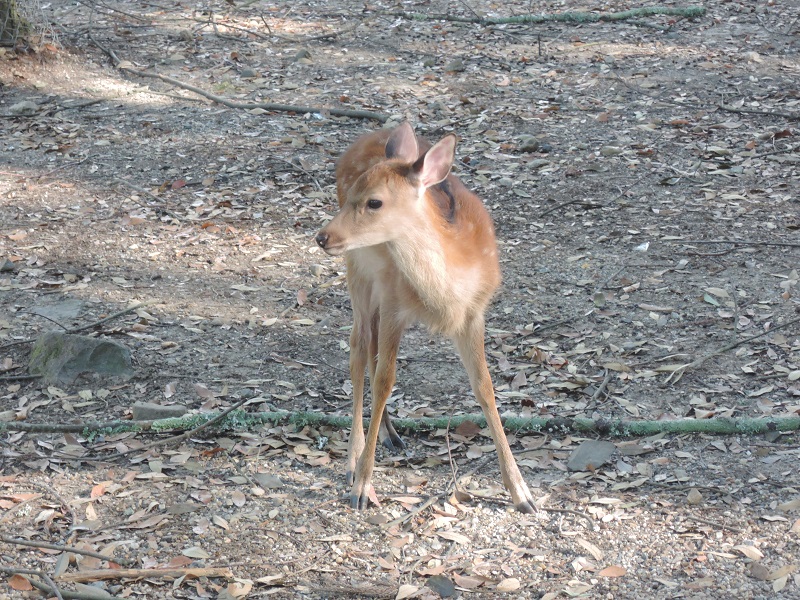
(615, 158)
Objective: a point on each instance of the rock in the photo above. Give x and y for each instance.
(59, 311)
(6, 265)
(267, 481)
(538, 163)
(442, 585)
(694, 497)
(61, 357)
(248, 73)
(610, 151)
(26, 107)
(590, 455)
(147, 411)
(528, 143)
(455, 66)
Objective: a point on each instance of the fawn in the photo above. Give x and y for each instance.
(418, 246)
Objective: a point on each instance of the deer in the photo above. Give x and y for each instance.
(418, 247)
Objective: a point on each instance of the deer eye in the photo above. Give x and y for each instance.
(374, 203)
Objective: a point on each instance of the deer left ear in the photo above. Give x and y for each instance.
(434, 166)
(402, 144)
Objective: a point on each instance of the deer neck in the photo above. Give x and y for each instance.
(420, 257)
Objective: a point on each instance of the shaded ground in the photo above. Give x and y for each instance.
(608, 155)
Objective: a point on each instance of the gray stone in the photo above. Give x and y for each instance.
(268, 482)
(61, 357)
(6, 265)
(59, 312)
(455, 66)
(529, 143)
(26, 107)
(148, 411)
(590, 455)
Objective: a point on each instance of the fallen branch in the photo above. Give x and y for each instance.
(101, 574)
(336, 112)
(239, 420)
(738, 243)
(270, 106)
(565, 17)
(72, 549)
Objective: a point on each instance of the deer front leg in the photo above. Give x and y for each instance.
(359, 349)
(470, 347)
(384, 377)
(387, 434)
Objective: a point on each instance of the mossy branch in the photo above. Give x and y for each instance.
(689, 12)
(239, 420)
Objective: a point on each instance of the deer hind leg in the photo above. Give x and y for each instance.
(470, 346)
(389, 333)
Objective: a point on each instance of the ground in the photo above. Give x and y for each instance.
(613, 157)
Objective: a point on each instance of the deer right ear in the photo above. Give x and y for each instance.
(402, 144)
(434, 166)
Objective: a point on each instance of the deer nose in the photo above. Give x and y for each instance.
(322, 239)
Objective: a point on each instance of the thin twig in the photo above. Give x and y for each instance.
(49, 587)
(567, 511)
(714, 524)
(697, 362)
(110, 317)
(141, 190)
(766, 113)
(599, 391)
(183, 436)
(410, 515)
(773, 152)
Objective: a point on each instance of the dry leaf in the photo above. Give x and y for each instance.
(406, 591)
(458, 538)
(596, 553)
(750, 552)
(467, 582)
(613, 571)
(784, 571)
(19, 583)
(791, 505)
(508, 585)
(758, 571)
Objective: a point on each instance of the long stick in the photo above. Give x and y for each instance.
(337, 112)
(565, 17)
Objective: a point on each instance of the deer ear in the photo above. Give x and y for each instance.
(402, 144)
(434, 166)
